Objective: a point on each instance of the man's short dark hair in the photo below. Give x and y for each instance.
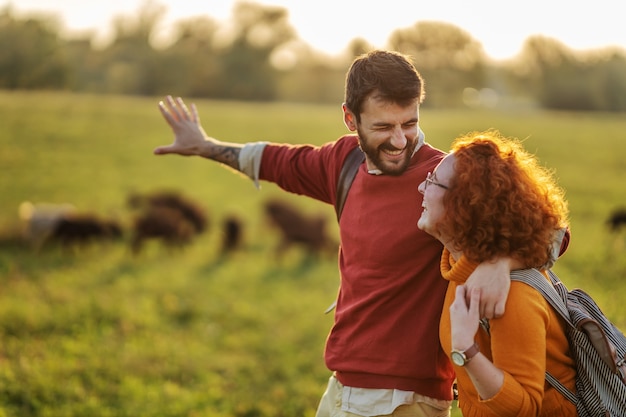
(390, 75)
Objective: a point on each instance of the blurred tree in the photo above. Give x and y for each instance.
(358, 46)
(448, 58)
(131, 64)
(319, 79)
(190, 65)
(604, 73)
(245, 56)
(612, 71)
(562, 79)
(547, 67)
(86, 64)
(31, 53)
(256, 55)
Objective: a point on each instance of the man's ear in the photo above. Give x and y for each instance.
(349, 119)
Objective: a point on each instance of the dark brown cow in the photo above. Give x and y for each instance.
(167, 216)
(166, 224)
(617, 219)
(232, 237)
(82, 228)
(298, 228)
(189, 209)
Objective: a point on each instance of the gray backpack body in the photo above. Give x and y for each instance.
(597, 346)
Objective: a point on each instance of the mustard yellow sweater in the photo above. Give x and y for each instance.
(528, 339)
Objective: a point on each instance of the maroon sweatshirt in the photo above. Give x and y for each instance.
(391, 293)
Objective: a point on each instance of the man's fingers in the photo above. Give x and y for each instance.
(163, 150)
(499, 310)
(486, 311)
(493, 310)
(166, 113)
(178, 117)
(195, 116)
(175, 110)
(183, 110)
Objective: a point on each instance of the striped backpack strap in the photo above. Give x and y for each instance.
(538, 281)
(553, 294)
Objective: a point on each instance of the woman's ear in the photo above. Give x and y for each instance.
(349, 119)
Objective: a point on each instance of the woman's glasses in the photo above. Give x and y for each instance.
(430, 180)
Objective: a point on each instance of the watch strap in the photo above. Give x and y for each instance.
(471, 352)
(461, 358)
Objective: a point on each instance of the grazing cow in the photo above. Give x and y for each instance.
(80, 229)
(298, 228)
(166, 224)
(232, 234)
(167, 216)
(39, 220)
(617, 219)
(189, 209)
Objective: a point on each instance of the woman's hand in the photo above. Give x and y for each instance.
(464, 317)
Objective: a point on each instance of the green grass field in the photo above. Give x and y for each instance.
(98, 332)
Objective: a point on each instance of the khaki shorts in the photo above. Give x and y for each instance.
(330, 405)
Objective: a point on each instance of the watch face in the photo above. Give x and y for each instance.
(458, 358)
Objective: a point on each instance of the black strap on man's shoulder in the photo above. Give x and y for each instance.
(346, 176)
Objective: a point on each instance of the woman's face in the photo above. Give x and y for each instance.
(434, 188)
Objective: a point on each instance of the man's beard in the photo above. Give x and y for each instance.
(386, 167)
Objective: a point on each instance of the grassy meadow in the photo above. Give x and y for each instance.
(98, 332)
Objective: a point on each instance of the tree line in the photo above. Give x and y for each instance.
(258, 56)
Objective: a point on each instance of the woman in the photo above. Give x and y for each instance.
(489, 198)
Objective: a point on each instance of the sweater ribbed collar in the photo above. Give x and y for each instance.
(457, 271)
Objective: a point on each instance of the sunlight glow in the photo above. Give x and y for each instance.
(328, 25)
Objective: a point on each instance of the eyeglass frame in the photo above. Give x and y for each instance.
(429, 180)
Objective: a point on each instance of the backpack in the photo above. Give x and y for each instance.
(597, 346)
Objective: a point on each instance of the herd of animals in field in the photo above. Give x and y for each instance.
(171, 218)
(175, 220)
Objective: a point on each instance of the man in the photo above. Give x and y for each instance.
(384, 346)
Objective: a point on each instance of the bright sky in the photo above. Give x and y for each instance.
(328, 25)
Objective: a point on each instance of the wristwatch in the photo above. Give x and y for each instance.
(461, 358)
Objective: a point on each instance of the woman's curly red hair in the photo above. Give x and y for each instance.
(501, 202)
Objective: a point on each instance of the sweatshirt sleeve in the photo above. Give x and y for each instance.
(306, 169)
